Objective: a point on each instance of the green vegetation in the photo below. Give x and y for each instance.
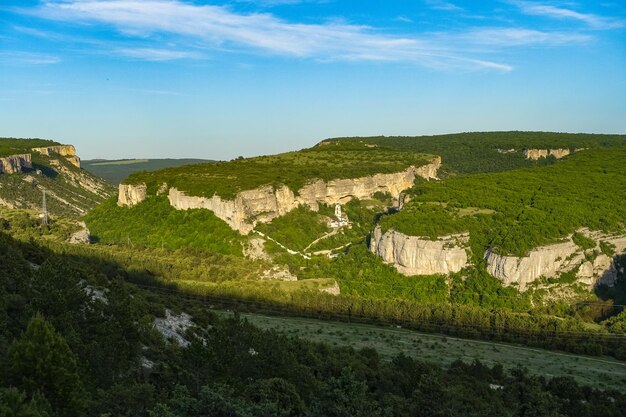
(13, 146)
(101, 355)
(532, 207)
(293, 169)
(583, 241)
(441, 350)
(114, 171)
(480, 152)
(26, 224)
(607, 248)
(71, 191)
(155, 223)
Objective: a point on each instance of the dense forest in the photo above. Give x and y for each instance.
(480, 152)
(515, 211)
(77, 340)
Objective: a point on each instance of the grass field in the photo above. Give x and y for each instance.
(602, 373)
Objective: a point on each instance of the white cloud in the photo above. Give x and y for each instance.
(546, 10)
(28, 58)
(220, 27)
(198, 27)
(153, 54)
(508, 37)
(443, 5)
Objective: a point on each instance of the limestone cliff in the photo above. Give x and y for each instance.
(413, 255)
(535, 154)
(552, 260)
(129, 195)
(15, 163)
(266, 202)
(68, 151)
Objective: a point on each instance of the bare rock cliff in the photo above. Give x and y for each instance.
(552, 260)
(15, 163)
(68, 151)
(535, 154)
(129, 194)
(266, 202)
(413, 255)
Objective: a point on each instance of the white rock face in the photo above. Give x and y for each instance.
(535, 154)
(413, 255)
(82, 236)
(547, 261)
(172, 327)
(130, 194)
(266, 203)
(15, 163)
(552, 260)
(64, 150)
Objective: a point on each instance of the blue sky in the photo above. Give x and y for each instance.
(218, 79)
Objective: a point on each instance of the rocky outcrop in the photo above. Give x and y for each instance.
(552, 260)
(131, 194)
(547, 261)
(413, 255)
(68, 151)
(82, 236)
(173, 327)
(535, 154)
(15, 163)
(266, 203)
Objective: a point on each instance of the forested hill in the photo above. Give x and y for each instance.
(28, 167)
(481, 152)
(77, 340)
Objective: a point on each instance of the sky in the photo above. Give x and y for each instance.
(220, 79)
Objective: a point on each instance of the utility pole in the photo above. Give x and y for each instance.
(44, 209)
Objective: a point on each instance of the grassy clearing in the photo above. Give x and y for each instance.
(602, 373)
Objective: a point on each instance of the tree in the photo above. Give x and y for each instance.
(41, 361)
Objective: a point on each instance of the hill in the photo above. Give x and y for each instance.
(31, 166)
(76, 339)
(116, 170)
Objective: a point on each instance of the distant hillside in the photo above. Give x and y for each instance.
(482, 152)
(30, 166)
(114, 171)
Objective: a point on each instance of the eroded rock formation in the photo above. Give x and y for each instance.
(265, 203)
(68, 151)
(552, 260)
(15, 163)
(413, 255)
(129, 194)
(535, 154)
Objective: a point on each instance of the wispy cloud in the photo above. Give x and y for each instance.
(508, 37)
(153, 54)
(28, 58)
(220, 27)
(592, 20)
(443, 5)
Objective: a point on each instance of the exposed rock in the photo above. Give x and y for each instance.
(552, 260)
(68, 151)
(332, 290)
(546, 261)
(130, 194)
(162, 189)
(173, 327)
(413, 255)
(15, 163)
(96, 294)
(82, 236)
(255, 249)
(535, 154)
(265, 203)
(278, 273)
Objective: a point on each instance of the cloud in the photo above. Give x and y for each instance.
(195, 28)
(592, 20)
(153, 54)
(28, 58)
(508, 37)
(219, 27)
(443, 5)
